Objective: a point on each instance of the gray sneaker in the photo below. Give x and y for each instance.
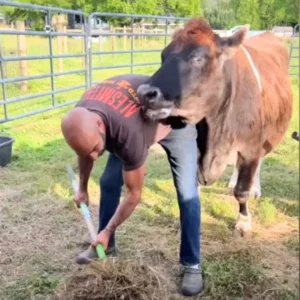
(90, 254)
(192, 282)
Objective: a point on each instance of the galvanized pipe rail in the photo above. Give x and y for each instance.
(4, 81)
(87, 55)
(295, 56)
(120, 34)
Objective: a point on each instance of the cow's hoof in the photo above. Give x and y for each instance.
(238, 233)
(255, 192)
(243, 227)
(231, 184)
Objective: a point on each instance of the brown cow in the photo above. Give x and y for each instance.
(236, 90)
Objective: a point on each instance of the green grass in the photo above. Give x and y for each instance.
(239, 275)
(266, 211)
(36, 287)
(41, 230)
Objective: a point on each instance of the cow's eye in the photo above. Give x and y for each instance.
(198, 60)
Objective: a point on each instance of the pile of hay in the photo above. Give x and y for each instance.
(111, 279)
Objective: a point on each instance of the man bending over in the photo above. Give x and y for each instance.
(109, 117)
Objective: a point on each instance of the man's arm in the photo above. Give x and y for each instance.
(85, 167)
(134, 183)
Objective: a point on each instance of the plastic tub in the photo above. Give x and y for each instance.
(5, 150)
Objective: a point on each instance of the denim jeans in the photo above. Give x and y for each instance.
(181, 149)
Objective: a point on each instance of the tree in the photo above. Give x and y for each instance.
(267, 13)
(180, 8)
(219, 13)
(248, 13)
(35, 16)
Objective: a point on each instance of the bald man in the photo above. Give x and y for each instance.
(109, 117)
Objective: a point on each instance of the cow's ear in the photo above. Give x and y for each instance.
(229, 45)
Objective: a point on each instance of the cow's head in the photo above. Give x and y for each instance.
(191, 72)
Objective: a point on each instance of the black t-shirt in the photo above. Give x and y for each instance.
(128, 134)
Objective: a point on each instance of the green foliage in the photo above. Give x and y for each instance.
(249, 12)
(34, 15)
(260, 14)
(218, 13)
(221, 14)
(145, 7)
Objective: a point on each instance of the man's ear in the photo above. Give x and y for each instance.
(229, 45)
(100, 124)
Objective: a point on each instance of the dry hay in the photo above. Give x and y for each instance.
(113, 279)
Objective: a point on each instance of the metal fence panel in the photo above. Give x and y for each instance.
(137, 35)
(294, 52)
(36, 74)
(86, 53)
(33, 82)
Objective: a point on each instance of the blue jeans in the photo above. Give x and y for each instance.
(181, 149)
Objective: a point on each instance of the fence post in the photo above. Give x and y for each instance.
(3, 84)
(140, 37)
(113, 40)
(101, 40)
(59, 28)
(22, 49)
(84, 31)
(144, 38)
(124, 39)
(58, 21)
(65, 39)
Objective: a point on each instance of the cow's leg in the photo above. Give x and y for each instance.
(234, 177)
(255, 190)
(246, 174)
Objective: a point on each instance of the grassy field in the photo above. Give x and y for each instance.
(41, 230)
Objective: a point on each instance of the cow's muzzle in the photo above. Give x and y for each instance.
(155, 107)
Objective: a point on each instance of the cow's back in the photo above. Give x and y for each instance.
(268, 50)
(271, 60)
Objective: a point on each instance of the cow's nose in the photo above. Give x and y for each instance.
(151, 94)
(148, 93)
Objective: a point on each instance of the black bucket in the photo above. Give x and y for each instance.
(295, 135)
(5, 150)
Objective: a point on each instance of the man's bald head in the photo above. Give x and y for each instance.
(81, 130)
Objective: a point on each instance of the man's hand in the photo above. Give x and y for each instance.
(103, 239)
(81, 196)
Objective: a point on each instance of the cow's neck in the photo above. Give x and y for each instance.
(220, 95)
(237, 106)
(221, 136)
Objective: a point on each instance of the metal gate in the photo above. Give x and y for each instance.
(30, 81)
(38, 72)
(135, 35)
(294, 52)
